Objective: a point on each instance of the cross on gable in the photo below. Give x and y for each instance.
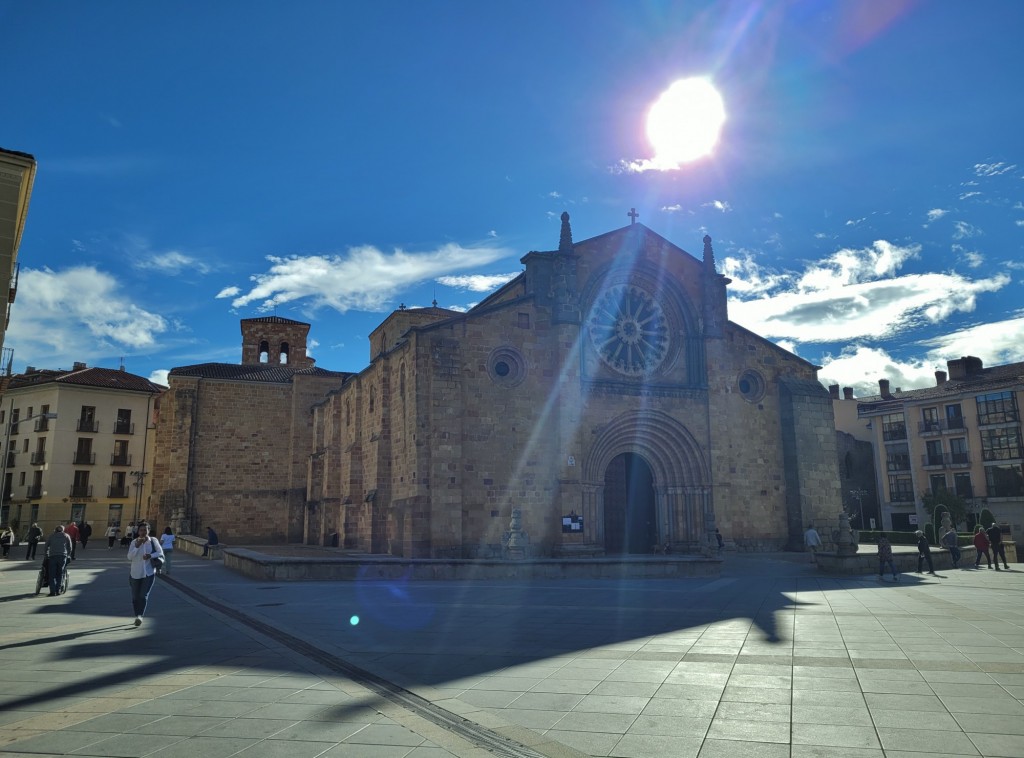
(632, 215)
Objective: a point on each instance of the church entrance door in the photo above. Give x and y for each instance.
(630, 525)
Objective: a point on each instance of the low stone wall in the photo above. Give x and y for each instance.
(351, 568)
(866, 561)
(193, 545)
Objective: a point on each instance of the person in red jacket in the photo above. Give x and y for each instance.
(71, 530)
(981, 545)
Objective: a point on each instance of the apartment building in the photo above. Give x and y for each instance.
(962, 434)
(77, 446)
(17, 175)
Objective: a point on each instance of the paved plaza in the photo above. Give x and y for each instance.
(770, 659)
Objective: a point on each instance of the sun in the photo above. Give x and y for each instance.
(685, 122)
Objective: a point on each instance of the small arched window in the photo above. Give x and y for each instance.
(264, 351)
(284, 352)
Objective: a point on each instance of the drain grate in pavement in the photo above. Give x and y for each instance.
(472, 732)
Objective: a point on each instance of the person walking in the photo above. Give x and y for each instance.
(924, 553)
(951, 542)
(84, 533)
(142, 573)
(995, 540)
(6, 540)
(167, 543)
(111, 535)
(813, 541)
(211, 540)
(58, 552)
(981, 546)
(885, 557)
(71, 530)
(35, 534)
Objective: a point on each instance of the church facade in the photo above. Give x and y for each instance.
(602, 397)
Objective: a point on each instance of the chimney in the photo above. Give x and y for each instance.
(964, 367)
(30, 369)
(847, 393)
(833, 391)
(883, 389)
(940, 378)
(78, 366)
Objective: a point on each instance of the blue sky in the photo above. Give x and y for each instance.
(326, 161)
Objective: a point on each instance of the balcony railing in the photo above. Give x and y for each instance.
(42, 424)
(84, 459)
(124, 427)
(113, 491)
(87, 425)
(34, 491)
(939, 425)
(892, 432)
(81, 490)
(946, 460)
(120, 460)
(954, 424)
(38, 457)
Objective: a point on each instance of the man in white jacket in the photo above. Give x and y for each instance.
(141, 552)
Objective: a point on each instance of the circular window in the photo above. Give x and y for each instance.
(751, 385)
(629, 330)
(506, 366)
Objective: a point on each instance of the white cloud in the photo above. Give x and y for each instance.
(671, 208)
(227, 292)
(993, 169)
(718, 205)
(171, 263)
(492, 234)
(963, 229)
(995, 343)
(160, 376)
(856, 221)
(972, 258)
(965, 195)
(935, 214)
(1019, 222)
(77, 314)
(476, 282)
(861, 367)
(853, 294)
(364, 278)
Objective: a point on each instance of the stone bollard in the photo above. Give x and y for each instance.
(845, 543)
(517, 540)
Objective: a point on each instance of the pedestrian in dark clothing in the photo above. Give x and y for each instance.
(981, 545)
(924, 553)
(995, 539)
(58, 552)
(718, 538)
(952, 543)
(211, 540)
(35, 534)
(84, 533)
(885, 558)
(6, 540)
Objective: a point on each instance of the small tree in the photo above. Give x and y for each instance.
(951, 501)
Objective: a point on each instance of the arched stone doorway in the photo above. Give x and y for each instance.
(670, 470)
(630, 513)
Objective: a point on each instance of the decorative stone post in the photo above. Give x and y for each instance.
(845, 543)
(517, 539)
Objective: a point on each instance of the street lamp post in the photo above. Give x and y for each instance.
(140, 478)
(859, 495)
(7, 443)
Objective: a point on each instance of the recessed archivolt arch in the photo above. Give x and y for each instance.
(668, 447)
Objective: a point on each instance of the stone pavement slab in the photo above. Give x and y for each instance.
(770, 658)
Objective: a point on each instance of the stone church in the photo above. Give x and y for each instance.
(602, 395)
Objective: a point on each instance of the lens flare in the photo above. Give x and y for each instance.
(354, 620)
(685, 122)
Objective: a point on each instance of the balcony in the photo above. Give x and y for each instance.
(124, 427)
(84, 459)
(945, 460)
(120, 460)
(87, 425)
(81, 490)
(42, 424)
(117, 492)
(955, 424)
(932, 426)
(34, 491)
(38, 457)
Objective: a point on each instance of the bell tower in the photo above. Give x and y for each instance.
(275, 341)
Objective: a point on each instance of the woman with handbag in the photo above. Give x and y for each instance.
(167, 543)
(146, 556)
